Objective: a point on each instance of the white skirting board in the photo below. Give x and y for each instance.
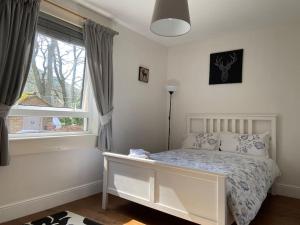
(29, 206)
(288, 190)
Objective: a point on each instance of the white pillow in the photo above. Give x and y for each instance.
(249, 144)
(205, 141)
(229, 142)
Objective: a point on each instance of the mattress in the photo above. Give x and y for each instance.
(248, 179)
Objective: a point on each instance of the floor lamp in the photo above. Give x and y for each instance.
(171, 89)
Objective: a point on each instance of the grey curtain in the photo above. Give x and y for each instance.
(98, 42)
(18, 19)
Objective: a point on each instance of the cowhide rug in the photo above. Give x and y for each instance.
(63, 218)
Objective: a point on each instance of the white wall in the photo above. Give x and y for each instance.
(36, 181)
(271, 78)
(139, 108)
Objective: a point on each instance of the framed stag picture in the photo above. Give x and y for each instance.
(143, 74)
(226, 67)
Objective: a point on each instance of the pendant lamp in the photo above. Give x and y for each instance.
(171, 18)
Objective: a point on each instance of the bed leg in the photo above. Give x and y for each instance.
(105, 181)
(104, 201)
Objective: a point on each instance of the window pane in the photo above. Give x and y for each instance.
(36, 124)
(56, 76)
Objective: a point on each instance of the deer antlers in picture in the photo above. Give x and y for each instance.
(225, 68)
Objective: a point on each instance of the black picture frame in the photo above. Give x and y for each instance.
(143, 74)
(226, 67)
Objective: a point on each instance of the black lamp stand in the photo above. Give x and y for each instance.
(170, 109)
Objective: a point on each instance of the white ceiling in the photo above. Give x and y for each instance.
(208, 17)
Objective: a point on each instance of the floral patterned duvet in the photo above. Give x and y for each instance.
(248, 178)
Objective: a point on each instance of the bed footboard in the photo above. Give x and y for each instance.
(194, 195)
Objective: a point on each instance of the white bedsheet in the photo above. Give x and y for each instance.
(248, 178)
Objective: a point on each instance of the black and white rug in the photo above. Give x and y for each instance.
(63, 218)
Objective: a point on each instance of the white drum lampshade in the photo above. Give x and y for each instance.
(171, 18)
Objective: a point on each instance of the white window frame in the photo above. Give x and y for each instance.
(48, 112)
(87, 112)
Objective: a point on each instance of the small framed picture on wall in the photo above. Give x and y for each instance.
(143, 74)
(226, 67)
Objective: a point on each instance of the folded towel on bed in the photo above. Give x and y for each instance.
(139, 153)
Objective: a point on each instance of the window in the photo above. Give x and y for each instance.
(55, 97)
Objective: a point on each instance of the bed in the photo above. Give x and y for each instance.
(188, 188)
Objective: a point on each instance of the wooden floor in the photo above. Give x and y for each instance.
(276, 210)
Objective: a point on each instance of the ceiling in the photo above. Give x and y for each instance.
(208, 17)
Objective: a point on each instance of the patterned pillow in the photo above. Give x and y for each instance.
(249, 144)
(205, 141)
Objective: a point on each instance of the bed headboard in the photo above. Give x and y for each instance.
(236, 123)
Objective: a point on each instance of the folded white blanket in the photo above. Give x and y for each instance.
(139, 153)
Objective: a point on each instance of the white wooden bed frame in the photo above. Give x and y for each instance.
(194, 195)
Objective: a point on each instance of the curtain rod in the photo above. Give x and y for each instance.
(65, 9)
(72, 12)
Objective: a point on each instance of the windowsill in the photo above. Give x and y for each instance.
(38, 144)
(22, 137)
